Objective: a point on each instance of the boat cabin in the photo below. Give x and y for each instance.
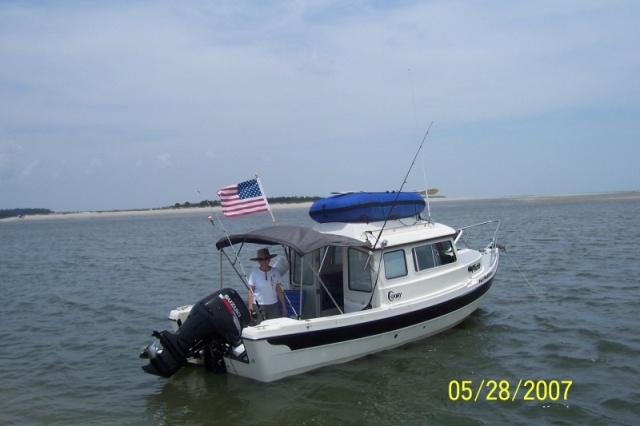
(347, 277)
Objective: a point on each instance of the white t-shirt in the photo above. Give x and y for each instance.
(264, 285)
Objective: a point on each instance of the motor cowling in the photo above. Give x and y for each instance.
(216, 320)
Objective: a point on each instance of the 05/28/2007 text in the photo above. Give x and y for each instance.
(503, 390)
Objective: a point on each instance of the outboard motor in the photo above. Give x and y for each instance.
(215, 324)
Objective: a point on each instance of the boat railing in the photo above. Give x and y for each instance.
(494, 239)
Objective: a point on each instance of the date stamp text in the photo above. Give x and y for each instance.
(504, 390)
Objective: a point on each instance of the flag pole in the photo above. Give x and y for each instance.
(215, 216)
(264, 195)
(237, 259)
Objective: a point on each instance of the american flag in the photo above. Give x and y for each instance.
(242, 199)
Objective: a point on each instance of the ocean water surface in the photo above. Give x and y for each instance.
(81, 297)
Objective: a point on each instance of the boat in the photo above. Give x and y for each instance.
(353, 288)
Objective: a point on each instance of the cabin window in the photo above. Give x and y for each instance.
(359, 275)
(331, 258)
(447, 255)
(432, 255)
(423, 257)
(395, 264)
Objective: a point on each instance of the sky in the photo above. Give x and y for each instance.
(138, 104)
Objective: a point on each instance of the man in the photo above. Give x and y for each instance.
(265, 285)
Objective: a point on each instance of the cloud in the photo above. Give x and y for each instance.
(164, 159)
(15, 164)
(9, 151)
(28, 170)
(318, 90)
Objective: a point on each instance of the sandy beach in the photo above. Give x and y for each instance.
(567, 198)
(203, 211)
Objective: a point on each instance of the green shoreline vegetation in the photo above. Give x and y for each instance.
(587, 197)
(271, 200)
(23, 212)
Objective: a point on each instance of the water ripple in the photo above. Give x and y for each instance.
(83, 296)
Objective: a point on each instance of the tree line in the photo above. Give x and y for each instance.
(5, 213)
(271, 200)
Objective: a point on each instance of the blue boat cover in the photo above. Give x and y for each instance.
(364, 207)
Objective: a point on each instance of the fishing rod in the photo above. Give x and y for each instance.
(226, 234)
(424, 172)
(237, 255)
(389, 215)
(402, 186)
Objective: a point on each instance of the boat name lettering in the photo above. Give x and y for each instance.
(483, 279)
(474, 267)
(394, 296)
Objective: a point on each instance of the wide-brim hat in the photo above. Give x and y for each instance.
(263, 253)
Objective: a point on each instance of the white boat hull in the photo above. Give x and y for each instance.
(425, 286)
(276, 362)
(286, 347)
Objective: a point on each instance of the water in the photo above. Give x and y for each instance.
(81, 296)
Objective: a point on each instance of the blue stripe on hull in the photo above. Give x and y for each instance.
(340, 334)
